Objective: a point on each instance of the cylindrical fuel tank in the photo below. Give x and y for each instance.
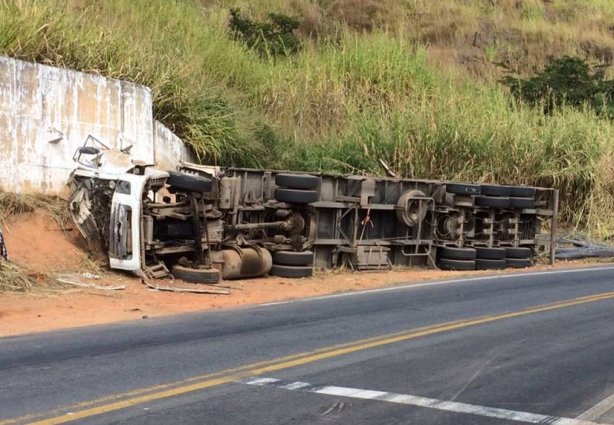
(239, 263)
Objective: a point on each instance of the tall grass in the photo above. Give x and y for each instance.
(166, 46)
(14, 279)
(13, 204)
(396, 89)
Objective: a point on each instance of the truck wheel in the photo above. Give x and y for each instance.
(482, 264)
(297, 181)
(491, 202)
(463, 189)
(294, 196)
(210, 276)
(446, 264)
(525, 253)
(496, 190)
(292, 258)
(491, 253)
(291, 272)
(189, 183)
(518, 263)
(523, 192)
(457, 253)
(523, 203)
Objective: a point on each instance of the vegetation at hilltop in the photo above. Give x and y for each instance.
(415, 83)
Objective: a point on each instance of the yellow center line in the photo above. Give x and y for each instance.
(197, 383)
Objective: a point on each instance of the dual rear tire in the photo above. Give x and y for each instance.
(457, 258)
(292, 264)
(296, 188)
(484, 258)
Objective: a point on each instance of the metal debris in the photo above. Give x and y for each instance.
(71, 279)
(201, 289)
(583, 249)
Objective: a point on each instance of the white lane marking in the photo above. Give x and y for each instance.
(440, 282)
(600, 409)
(411, 400)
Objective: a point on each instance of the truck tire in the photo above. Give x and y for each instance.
(490, 253)
(291, 272)
(522, 203)
(189, 183)
(294, 196)
(523, 192)
(492, 202)
(463, 189)
(292, 258)
(457, 253)
(522, 253)
(210, 276)
(496, 190)
(447, 264)
(483, 264)
(518, 263)
(297, 181)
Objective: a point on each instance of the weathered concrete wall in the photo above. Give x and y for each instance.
(169, 149)
(46, 113)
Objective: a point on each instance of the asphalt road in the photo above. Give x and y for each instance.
(533, 348)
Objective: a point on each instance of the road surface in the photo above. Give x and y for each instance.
(529, 348)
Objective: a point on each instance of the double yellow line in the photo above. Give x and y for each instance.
(197, 383)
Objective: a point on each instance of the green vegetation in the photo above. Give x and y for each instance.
(411, 82)
(566, 81)
(276, 38)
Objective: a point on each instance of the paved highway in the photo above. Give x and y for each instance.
(529, 348)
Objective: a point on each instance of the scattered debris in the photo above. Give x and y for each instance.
(72, 279)
(196, 289)
(583, 249)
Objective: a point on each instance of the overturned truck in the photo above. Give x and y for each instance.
(200, 223)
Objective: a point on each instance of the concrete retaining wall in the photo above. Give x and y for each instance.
(168, 148)
(46, 113)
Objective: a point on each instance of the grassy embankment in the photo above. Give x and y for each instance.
(411, 82)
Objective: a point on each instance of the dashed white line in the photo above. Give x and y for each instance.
(411, 400)
(441, 282)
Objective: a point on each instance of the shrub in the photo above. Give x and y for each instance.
(565, 81)
(269, 39)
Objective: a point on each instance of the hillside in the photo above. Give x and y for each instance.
(411, 82)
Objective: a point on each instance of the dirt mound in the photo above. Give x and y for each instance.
(37, 242)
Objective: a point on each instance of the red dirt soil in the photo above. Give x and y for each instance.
(40, 244)
(37, 243)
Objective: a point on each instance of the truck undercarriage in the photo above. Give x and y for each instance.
(201, 223)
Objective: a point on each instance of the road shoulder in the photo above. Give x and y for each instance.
(39, 312)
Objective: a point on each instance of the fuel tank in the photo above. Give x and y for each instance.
(242, 262)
